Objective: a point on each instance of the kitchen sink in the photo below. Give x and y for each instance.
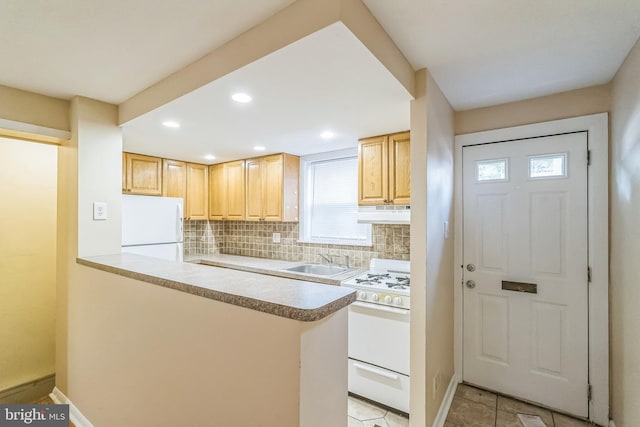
(318, 269)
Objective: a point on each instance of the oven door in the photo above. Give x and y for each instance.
(379, 335)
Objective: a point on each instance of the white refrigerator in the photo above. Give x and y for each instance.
(152, 226)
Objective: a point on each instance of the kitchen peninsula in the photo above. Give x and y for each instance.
(271, 349)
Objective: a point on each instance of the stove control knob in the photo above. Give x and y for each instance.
(375, 297)
(388, 299)
(397, 301)
(362, 295)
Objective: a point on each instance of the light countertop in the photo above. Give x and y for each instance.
(253, 283)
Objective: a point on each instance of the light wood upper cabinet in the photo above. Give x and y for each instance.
(400, 168)
(373, 171)
(196, 203)
(141, 174)
(272, 188)
(174, 178)
(235, 175)
(227, 191)
(217, 188)
(384, 170)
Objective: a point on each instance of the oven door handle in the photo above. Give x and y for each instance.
(375, 371)
(381, 307)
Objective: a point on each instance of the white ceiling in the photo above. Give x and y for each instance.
(110, 50)
(495, 51)
(480, 53)
(326, 81)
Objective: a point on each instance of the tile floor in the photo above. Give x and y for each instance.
(365, 414)
(472, 407)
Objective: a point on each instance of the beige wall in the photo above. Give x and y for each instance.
(625, 243)
(27, 261)
(144, 355)
(79, 185)
(439, 297)
(100, 175)
(580, 102)
(432, 142)
(32, 108)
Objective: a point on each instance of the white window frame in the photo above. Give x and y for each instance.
(305, 203)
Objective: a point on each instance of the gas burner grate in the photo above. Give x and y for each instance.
(368, 281)
(403, 280)
(378, 277)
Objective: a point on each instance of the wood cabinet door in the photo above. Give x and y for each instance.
(174, 179)
(235, 190)
(254, 191)
(273, 187)
(197, 191)
(400, 168)
(373, 171)
(144, 175)
(217, 192)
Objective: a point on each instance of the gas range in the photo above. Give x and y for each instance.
(388, 282)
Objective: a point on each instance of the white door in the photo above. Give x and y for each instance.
(525, 228)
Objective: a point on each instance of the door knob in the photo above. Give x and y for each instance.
(471, 267)
(471, 284)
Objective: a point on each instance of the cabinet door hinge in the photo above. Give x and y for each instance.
(588, 157)
(589, 274)
(589, 392)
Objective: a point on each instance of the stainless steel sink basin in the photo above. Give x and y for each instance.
(318, 269)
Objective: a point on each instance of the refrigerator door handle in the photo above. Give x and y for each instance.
(179, 225)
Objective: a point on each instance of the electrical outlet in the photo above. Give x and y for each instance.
(99, 210)
(276, 237)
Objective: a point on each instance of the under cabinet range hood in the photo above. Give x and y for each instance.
(384, 215)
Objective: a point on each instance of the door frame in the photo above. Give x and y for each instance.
(597, 129)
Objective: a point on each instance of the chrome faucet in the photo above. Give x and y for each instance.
(327, 257)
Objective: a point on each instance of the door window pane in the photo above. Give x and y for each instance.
(549, 166)
(491, 170)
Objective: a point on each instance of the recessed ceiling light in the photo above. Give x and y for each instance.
(209, 157)
(171, 124)
(327, 134)
(241, 97)
(259, 148)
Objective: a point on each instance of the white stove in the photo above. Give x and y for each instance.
(379, 324)
(388, 282)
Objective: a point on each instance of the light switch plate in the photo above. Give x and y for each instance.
(276, 237)
(99, 210)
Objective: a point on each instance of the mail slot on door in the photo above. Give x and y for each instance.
(530, 288)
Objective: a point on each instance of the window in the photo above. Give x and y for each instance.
(330, 200)
(491, 170)
(549, 166)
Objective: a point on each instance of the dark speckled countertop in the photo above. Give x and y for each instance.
(261, 286)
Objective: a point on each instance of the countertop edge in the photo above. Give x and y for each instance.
(286, 311)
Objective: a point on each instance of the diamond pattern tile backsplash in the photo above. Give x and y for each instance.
(255, 239)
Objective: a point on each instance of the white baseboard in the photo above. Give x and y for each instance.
(74, 413)
(441, 416)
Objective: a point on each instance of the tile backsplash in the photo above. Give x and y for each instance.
(255, 239)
